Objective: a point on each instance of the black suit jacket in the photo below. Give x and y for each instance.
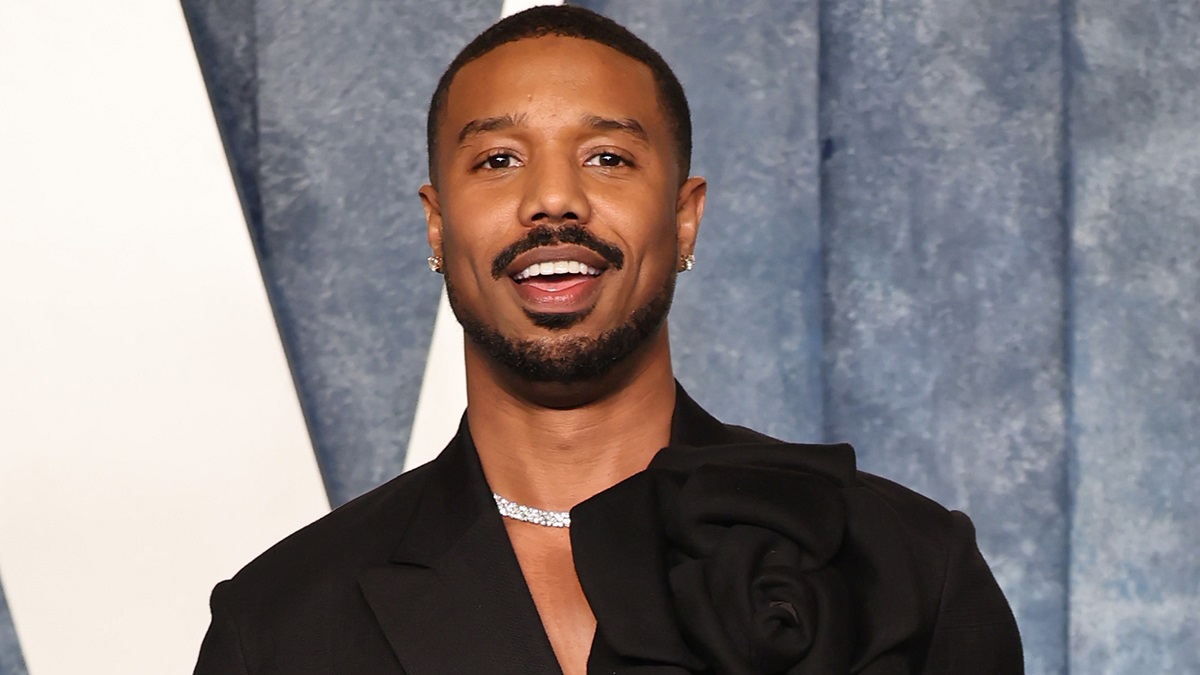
(418, 577)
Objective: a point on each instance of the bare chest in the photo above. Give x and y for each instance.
(545, 558)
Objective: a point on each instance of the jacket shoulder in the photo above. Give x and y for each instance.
(912, 508)
(273, 616)
(969, 625)
(359, 534)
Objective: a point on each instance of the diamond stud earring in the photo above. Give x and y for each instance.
(687, 262)
(435, 263)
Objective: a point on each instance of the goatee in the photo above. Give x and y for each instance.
(566, 358)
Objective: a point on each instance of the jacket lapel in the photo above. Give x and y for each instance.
(453, 599)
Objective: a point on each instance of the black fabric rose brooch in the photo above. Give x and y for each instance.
(748, 559)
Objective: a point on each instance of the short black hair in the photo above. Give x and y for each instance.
(576, 22)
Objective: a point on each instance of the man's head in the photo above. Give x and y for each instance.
(576, 22)
(560, 204)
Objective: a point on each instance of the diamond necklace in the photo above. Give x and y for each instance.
(528, 514)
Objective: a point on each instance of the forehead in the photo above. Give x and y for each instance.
(551, 74)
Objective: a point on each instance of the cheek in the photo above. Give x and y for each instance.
(470, 239)
(476, 204)
(648, 232)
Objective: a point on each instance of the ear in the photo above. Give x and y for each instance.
(433, 217)
(689, 209)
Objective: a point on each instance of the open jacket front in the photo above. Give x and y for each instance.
(732, 553)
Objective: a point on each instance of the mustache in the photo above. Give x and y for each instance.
(544, 235)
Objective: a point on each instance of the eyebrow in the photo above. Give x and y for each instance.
(482, 126)
(595, 122)
(625, 124)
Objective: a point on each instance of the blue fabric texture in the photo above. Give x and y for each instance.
(11, 660)
(1135, 341)
(941, 208)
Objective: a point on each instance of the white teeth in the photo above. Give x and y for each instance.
(556, 267)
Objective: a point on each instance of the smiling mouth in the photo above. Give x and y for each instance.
(563, 286)
(566, 244)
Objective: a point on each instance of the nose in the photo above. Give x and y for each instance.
(554, 193)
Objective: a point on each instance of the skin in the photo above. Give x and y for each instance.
(542, 158)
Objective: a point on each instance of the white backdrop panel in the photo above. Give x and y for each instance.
(150, 438)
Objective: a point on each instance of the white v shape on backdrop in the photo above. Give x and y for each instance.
(151, 441)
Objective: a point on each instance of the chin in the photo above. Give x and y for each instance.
(562, 356)
(557, 321)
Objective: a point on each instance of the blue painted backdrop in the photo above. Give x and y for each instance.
(11, 662)
(961, 234)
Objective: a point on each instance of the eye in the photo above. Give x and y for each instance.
(499, 160)
(608, 160)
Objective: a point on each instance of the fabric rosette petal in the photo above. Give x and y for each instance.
(749, 568)
(621, 557)
(734, 560)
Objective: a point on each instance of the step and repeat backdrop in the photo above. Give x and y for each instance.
(960, 234)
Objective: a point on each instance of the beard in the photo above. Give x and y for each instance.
(566, 358)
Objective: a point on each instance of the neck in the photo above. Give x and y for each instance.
(553, 446)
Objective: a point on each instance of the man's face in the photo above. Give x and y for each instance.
(559, 213)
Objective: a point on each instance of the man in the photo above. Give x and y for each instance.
(589, 517)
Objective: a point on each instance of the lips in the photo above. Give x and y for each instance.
(558, 278)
